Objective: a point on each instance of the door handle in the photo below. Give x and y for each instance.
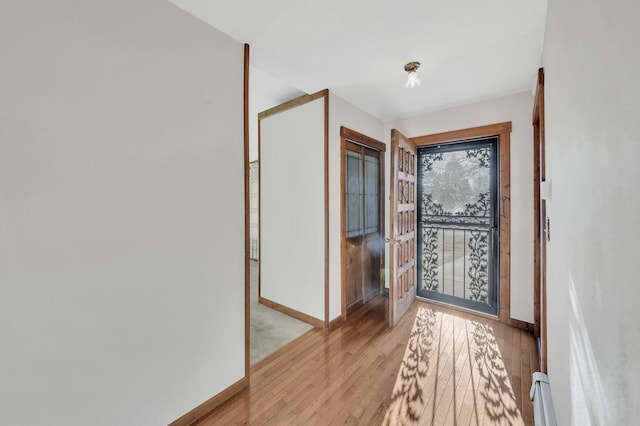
(391, 240)
(503, 207)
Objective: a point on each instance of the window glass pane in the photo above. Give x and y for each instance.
(371, 194)
(457, 183)
(353, 194)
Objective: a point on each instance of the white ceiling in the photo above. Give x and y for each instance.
(469, 49)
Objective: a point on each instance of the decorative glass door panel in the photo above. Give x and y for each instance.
(458, 224)
(363, 241)
(354, 194)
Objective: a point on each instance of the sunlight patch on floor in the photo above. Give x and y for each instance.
(452, 373)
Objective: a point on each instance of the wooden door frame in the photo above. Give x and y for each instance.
(539, 213)
(348, 135)
(503, 131)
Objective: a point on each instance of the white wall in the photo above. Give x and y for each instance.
(517, 109)
(265, 91)
(292, 233)
(593, 147)
(342, 113)
(121, 212)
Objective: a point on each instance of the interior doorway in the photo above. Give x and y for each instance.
(270, 329)
(362, 189)
(458, 223)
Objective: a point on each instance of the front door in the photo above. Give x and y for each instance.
(363, 230)
(458, 223)
(402, 244)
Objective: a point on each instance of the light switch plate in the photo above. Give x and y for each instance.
(545, 190)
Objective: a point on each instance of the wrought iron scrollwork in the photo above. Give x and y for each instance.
(458, 203)
(430, 207)
(430, 259)
(479, 266)
(429, 159)
(482, 207)
(482, 154)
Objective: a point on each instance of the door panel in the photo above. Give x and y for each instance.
(371, 266)
(372, 239)
(371, 194)
(362, 225)
(402, 271)
(354, 272)
(458, 224)
(353, 189)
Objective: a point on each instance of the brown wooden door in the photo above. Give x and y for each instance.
(363, 228)
(402, 247)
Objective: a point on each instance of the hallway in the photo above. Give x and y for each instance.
(348, 375)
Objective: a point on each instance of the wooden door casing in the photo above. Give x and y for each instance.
(402, 243)
(540, 241)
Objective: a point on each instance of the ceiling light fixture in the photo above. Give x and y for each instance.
(412, 79)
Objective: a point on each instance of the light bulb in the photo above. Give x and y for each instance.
(412, 80)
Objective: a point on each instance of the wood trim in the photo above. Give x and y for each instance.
(469, 133)
(348, 135)
(247, 218)
(355, 305)
(326, 209)
(538, 102)
(391, 266)
(383, 221)
(259, 209)
(543, 213)
(343, 230)
(503, 131)
(537, 230)
(505, 227)
(361, 139)
(520, 324)
(301, 100)
(211, 404)
(336, 323)
(292, 313)
(540, 213)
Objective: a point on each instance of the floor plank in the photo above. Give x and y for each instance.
(347, 376)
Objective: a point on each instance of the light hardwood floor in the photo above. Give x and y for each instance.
(479, 372)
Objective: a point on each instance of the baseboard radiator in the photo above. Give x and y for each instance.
(540, 394)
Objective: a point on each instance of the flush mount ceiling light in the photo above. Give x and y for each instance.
(412, 79)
